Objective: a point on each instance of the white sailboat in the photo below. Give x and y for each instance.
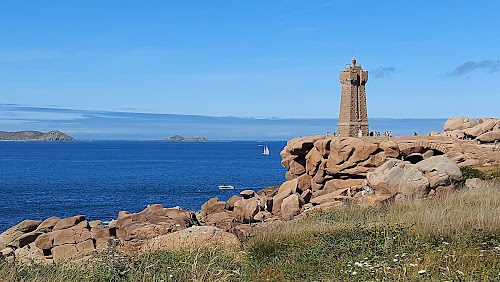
(266, 151)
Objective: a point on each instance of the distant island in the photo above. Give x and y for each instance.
(28, 135)
(178, 138)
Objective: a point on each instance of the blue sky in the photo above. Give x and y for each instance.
(426, 59)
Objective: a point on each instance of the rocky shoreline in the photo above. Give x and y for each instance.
(324, 173)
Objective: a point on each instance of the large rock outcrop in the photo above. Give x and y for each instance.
(459, 123)
(332, 162)
(489, 136)
(406, 181)
(55, 239)
(133, 229)
(470, 128)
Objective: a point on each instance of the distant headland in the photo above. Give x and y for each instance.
(28, 135)
(178, 138)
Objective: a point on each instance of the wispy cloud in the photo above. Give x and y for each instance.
(468, 67)
(382, 72)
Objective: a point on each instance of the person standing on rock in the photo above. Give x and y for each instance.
(367, 189)
(496, 144)
(259, 204)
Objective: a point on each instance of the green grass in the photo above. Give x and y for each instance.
(481, 172)
(453, 238)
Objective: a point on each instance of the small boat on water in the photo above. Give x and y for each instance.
(225, 187)
(266, 150)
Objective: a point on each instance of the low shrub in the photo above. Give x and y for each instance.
(469, 172)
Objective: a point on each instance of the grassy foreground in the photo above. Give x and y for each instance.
(453, 238)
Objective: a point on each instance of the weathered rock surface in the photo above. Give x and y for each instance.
(321, 157)
(290, 207)
(43, 242)
(231, 201)
(212, 206)
(247, 194)
(191, 238)
(437, 173)
(132, 229)
(489, 136)
(460, 123)
(68, 222)
(48, 224)
(16, 231)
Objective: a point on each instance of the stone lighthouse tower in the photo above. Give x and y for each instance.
(353, 118)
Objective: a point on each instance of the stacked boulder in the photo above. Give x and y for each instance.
(134, 229)
(238, 213)
(401, 180)
(484, 130)
(55, 239)
(332, 168)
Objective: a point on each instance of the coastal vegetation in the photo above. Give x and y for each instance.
(451, 237)
(481, 172)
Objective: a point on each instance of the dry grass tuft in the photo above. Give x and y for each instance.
(451, 214)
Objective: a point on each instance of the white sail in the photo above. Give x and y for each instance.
(266, 150)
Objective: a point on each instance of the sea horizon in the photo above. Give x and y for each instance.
(86, 125)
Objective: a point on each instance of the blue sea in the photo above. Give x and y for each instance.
(100, 178)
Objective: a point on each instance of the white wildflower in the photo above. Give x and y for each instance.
(422, 271)
(395, 260)
(354, 273)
